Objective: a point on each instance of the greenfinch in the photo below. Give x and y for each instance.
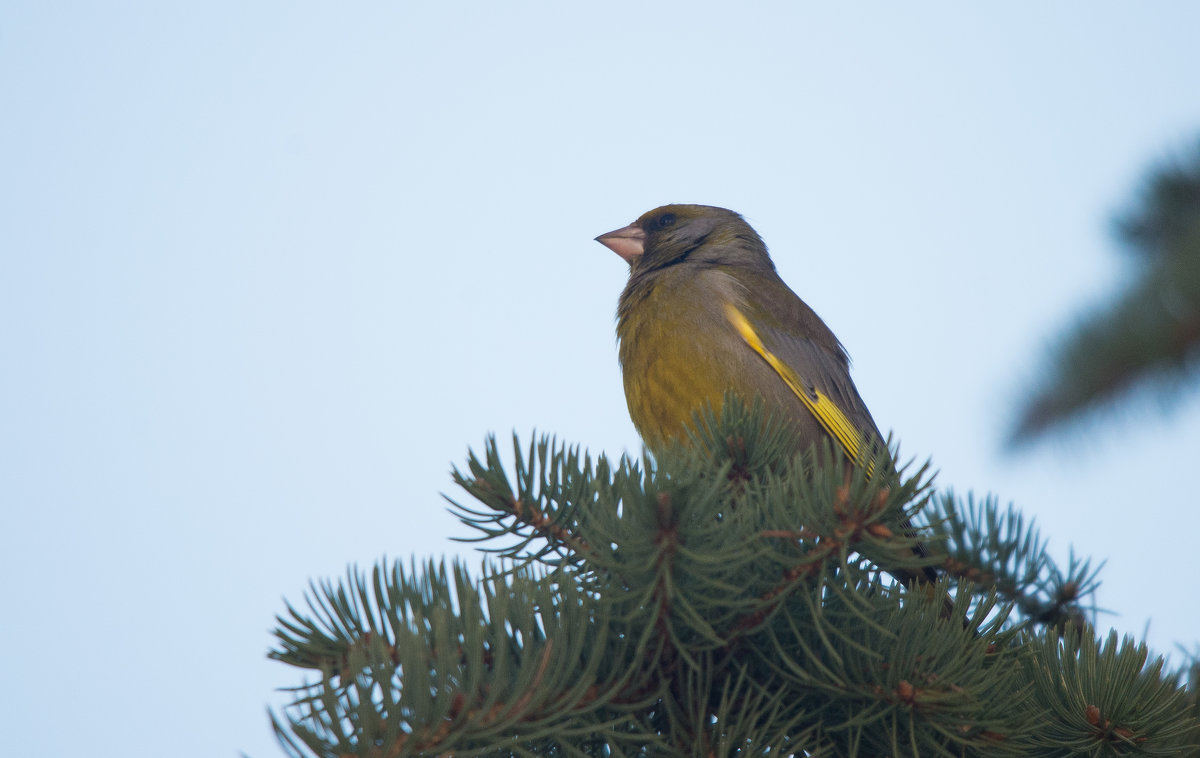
(705, 312)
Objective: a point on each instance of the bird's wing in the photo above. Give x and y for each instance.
(818, 378)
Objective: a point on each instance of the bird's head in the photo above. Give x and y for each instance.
(673, 234)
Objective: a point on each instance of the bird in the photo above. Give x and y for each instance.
(705, 312)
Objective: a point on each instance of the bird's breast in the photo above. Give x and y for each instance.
(679, 353)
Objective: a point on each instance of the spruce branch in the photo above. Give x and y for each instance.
(1146, 341)
(1108, 698)
(425, 663)
(996, 549)
(552, 481)
(725, 600)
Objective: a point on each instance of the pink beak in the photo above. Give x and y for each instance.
(629, 242)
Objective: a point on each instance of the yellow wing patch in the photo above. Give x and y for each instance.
(823, 409)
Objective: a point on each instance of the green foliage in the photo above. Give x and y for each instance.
(994, 547)
(1108, 699)
(1146, 340)
(726, 599)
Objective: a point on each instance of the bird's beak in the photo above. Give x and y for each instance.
(629, 242)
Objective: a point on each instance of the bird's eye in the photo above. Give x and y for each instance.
(664, 221)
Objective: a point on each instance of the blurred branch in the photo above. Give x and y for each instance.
(1148, 338)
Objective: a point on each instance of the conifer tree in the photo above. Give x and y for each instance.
(726, 599)
(1145, 342)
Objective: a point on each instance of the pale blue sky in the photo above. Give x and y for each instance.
(270, 268)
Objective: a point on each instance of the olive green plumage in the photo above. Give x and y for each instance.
(704, 312)
(678, 348)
